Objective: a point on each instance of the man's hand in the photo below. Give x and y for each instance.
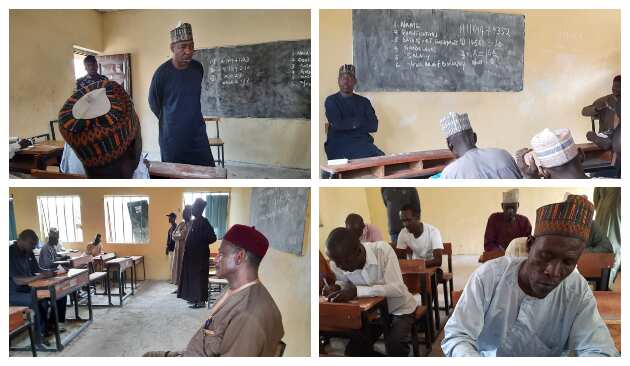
(329, 289)
(529, 171)
(348, 292)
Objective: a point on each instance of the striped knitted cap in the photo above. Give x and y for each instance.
(554, 147)
(347, 69)
(453, 123)
(99, 123)
(572, 218)
(182, 32)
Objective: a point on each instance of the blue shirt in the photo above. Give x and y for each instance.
(175, 99)
(494, 317)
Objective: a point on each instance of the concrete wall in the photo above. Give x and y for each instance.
(41, 63)
(145, 34)
(287, 277)
(459, 213)
(571, 57)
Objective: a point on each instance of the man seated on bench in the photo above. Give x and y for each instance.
(47, 256)
(23, 268)
(422, 239)
(535, 305)
(245, 320)
(473, 162)
(366, 270)
(365, 232)
(351, 119)
(94, 248)
(503, 227)
(554, 155)
(102, 130)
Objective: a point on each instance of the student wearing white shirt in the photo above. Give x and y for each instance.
(424, 240)
(365, 270)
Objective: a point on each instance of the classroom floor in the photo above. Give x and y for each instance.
(238, 170)
(151, 320)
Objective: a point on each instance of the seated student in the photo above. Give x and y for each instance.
(23, 268)
(365, 232)
(607, 108)
(504, 226)
(365, 270)
(102, 129)
(473, 162)
(351, 119)
(94, 248)
(554, 155)
(535, 305)
(609, 141)
(47, 256)
(245, 321)
(424, 240)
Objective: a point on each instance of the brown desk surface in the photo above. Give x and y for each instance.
(45, 147)
(609, 305)
(17, 316)
(51, 281)
(161, 169)
(355, 164)
(137, 258)
(366, 303)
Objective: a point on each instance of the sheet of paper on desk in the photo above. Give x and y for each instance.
(337, 161)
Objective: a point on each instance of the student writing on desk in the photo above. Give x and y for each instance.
(535, 305)
(365, 270)
(47, 256)
(351, 119)
(607, 108)
(503, 227)
(23, 268)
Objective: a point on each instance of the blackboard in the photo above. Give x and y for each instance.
(280, 214)
(438, 50)
(265, 80)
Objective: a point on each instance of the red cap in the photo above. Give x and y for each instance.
(248, 238)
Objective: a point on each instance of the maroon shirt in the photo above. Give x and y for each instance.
(500, 233)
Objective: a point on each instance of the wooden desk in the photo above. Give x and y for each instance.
(137, 260)
(350, 316)
(596, 267)
(432, 298)
(493, 254)
(404, 165)
(37, 156)
(99, 260)
(160, 169)
(20, 320)
(609, 307)
(54, 288)
(120, 266)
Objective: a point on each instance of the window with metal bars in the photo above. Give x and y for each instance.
(126, 219)
(216, 211)
(62, 213)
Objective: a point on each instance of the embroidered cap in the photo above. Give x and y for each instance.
(572, 218)
(510, 196)
(348, 69)
(554, 147)
(182, 32)
(453, 123)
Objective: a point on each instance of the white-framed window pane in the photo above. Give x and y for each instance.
(62, 213)
(126, 219)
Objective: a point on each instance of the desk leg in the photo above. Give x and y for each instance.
(35, 307)
(120, 287)
(432, 332)
(89, 301)
(55, 314)
(144, 271)
(436, 306)
(133, 278)
(31, 337)
(76, 304)
(109, 289)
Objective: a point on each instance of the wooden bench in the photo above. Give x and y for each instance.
(447, 277)
(159, 169)
(404, 165)
(413, 271)
(596, 267)
(21, 320)
(418, 281)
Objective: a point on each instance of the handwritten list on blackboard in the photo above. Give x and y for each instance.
(265, 80)
(438, 50)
